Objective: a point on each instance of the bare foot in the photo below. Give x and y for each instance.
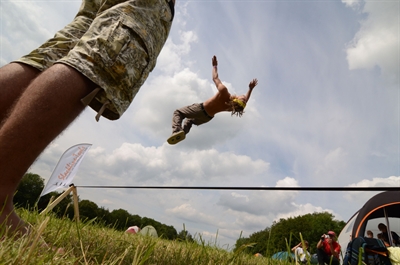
(13, 225)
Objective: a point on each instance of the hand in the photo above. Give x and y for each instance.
(214, 61)
(253, 83)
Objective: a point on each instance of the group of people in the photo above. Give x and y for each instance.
(384, 235)
(101, 59)
(328, 250)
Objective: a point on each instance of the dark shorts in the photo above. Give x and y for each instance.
(196, 113)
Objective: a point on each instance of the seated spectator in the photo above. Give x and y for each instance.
(385, 236)
(383, 240)
(301, 253)
(370, 234)
(328, 249)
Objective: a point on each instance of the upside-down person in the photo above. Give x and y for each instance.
(199, 113)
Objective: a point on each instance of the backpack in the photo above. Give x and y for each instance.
(371, 251)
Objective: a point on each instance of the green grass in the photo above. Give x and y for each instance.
(88, 243)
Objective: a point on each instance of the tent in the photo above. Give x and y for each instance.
(381, 208)
(283, 255)
(148, 231)
(132, 230)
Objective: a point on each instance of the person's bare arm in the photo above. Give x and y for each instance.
(221, 87)
(252, 84)
(295, 247)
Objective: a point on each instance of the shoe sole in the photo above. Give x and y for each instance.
(176, 137)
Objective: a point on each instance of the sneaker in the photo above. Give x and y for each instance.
(176, 137)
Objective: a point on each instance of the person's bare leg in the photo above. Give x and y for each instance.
(14, 79)
(47, 106)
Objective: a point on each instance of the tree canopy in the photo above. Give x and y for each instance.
(278, 237)
(286, 233)
(31, 186)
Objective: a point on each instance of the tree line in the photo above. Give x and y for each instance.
(31, 186)
(282, 235)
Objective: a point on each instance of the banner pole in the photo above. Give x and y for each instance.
(76, 202)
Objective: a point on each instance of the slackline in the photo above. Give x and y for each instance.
(247, 188)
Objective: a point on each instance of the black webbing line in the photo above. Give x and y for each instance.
(247, 188)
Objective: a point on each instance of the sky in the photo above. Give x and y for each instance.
(324, 114)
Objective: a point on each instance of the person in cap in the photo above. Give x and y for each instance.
(328, 249)
(199, 113)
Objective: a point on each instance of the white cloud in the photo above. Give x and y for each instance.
(302, 209)
(188, 213)
(287, 182)
(362, 197)
(133, 163)
(352, 3)
(25, 25)
(377, 41)
(333, 164)
(391, 181)
(261, 202)
(170, 58)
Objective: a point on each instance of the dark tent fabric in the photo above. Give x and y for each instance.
(383, 208)
(381, 205)
(285, 256)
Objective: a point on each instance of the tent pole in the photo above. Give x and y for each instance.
(388, 227)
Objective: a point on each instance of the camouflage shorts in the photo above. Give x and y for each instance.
(115, 43)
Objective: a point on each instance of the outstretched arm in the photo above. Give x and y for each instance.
(215, 77)
(295, 247)
(252, 84)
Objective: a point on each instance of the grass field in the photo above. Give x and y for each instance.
(88, 243)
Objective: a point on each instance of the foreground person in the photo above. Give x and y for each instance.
(100, 59)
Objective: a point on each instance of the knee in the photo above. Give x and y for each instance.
(178, 113)
(335, 261)
(189, 121)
